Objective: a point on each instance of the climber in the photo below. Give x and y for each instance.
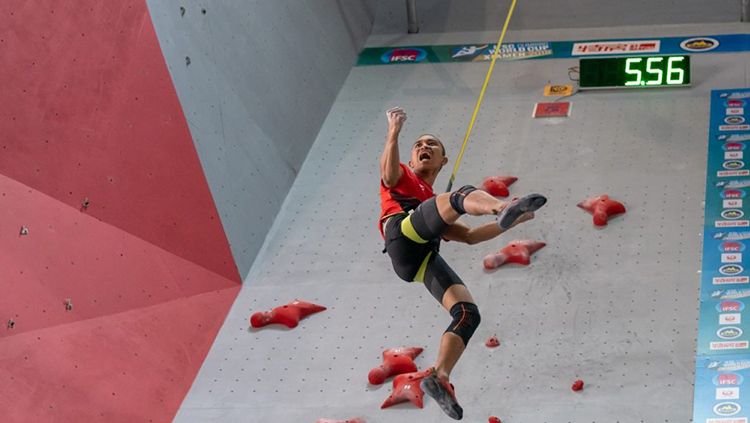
(413, 221)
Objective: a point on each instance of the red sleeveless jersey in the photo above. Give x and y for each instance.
(406, 195)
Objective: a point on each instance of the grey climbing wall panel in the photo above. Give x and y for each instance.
(255, 80)
(441, 16)
(616, 307)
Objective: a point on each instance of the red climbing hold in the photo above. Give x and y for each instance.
(492, 342)
(494, 419)
(354, 420)
(518, 251)
(406, 388)
(395, 362)
(498, 185)
(288, 315)
(602, 207)
(577, 385)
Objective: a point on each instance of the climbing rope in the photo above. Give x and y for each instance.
(481, 96)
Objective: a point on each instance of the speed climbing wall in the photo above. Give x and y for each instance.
(616, 307)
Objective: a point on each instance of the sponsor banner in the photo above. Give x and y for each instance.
(731, 223)
(722, 394)
(510, 51)
(599, 48)
(726, 259)
(725, 43)
(398, 55)
(724, 326)
(728, 169)
(723, 350)
(733, 173)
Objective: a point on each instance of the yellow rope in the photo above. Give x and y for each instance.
(481, 96)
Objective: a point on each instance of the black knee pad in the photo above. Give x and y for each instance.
(457, 198)
(466, 319)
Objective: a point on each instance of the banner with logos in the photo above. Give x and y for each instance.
(723, 351)
(726, 43)
(719, 382)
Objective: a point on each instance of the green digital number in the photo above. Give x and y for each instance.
(630, 71)
(672, 70)
(659, 72)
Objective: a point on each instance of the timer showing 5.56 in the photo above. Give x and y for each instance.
(635, 72)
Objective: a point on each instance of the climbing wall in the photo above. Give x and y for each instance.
(616, 307)
(115, 270)
(255, 92)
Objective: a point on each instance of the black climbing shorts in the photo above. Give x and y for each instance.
(412, 242)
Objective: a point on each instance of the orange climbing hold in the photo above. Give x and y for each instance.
(288, 315)
(498, 185)
(406, 388)
(518, 251)
(602, 207)
(395, 362)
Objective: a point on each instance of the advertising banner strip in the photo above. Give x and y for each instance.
(723, 350)
(727, 43)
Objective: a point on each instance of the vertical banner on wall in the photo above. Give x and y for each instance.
(721, 382)
(723, 351)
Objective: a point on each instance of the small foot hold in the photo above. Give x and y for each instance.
(492, 342)
(518, 251)
(577, 385)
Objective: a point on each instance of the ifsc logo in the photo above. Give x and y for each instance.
(699, 44)
(404, 55)
(731, 247)
(733, 146)
(732, 194)
(734, 103)
(731, 269)
(729, 332)
(726, 306)
(727, 408)
(732, 214)
(728, 379)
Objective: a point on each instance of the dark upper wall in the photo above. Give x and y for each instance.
(261, 78)
(482, 15)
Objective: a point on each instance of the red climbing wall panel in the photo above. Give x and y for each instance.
(89, 111)
(130, 367)
(68, 254)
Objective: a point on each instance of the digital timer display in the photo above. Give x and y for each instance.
(635, 72)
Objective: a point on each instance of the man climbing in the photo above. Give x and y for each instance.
(413, 220)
